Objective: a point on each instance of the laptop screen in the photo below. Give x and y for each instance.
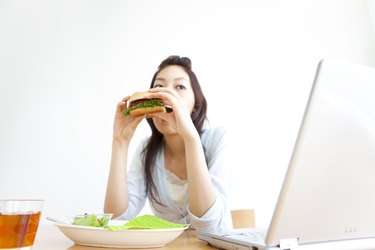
(329, 190)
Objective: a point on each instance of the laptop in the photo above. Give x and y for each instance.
(328, 194)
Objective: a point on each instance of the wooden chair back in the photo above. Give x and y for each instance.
(243, 218)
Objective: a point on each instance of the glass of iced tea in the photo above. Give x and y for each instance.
(19, 220)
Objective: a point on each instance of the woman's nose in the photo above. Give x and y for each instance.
(171, 87)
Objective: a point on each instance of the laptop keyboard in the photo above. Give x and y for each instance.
(255, 235)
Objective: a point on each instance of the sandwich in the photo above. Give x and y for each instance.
(139, 105)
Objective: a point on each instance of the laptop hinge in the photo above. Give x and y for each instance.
(289, 244)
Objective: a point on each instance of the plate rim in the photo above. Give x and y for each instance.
(106, 229)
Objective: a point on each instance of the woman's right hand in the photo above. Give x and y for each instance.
(124, 126)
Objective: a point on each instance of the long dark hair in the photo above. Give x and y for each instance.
(198, 116)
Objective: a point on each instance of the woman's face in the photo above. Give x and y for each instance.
(177, 80)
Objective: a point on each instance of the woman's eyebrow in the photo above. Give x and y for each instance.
(180, 78)
(160, 79)
(176, 79)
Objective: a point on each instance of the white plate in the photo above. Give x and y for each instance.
(102, 237)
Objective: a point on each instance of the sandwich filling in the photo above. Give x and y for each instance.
(146, 103)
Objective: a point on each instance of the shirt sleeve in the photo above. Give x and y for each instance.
(217, 217)
(136, 186)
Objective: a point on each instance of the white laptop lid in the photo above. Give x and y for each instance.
(329, 190)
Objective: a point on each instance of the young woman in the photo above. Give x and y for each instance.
(181, 168)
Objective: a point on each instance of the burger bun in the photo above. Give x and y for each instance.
(145, 111)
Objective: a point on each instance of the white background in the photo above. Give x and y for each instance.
(64, 65)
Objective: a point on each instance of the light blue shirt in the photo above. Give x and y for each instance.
(214, 142)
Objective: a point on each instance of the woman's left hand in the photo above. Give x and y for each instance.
(180, 119)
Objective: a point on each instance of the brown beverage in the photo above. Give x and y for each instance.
(18, 230)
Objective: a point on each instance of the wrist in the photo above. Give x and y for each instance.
(192, 138)
(120, 142)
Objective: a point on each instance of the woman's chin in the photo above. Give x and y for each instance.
(164, 127)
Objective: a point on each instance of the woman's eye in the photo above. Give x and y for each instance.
(180, 86)
(158, 85)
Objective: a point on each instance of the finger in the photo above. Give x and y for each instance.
(166, 95)
(122, 104)
(136, 121)
(126, 98)
(161, 90)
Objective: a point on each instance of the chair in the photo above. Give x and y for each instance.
(243, 218)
